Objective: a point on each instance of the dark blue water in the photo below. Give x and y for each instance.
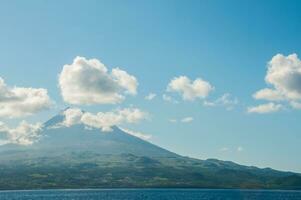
(150, 194)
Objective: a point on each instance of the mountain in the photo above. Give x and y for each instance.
(84, 157)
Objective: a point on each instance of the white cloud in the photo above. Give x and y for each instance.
(169, 99)
(265, 108)
(87, 81)
(284, 73)
(188, 89)
(23, 134)
(103, 120)
(150, 96)
(284, 76)
(225, 100)
(20, 101)
(137, 134)
(187, 119)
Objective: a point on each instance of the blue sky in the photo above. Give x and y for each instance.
(226, 43)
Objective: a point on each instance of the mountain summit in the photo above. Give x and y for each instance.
(78, 156)
(81, 138)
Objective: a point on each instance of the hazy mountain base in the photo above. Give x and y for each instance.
(77, 157)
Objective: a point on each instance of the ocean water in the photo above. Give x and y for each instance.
(150, 194)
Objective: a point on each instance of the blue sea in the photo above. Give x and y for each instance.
(150, 194)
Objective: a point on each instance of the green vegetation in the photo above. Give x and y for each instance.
(92, 170)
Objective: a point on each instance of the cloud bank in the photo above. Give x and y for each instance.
(103, 120)
(23, 134)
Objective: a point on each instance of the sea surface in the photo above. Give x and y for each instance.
(150, 194)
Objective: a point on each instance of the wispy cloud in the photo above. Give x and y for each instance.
(182, 120)
(231, 150)
(225, 100)
(187, 119)
(224, 149)
(239, 149)
(138, 134)
(173, 120)
(167, 98)
(265, 108)
(150, 96)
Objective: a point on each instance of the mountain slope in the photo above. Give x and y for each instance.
(81, 157)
